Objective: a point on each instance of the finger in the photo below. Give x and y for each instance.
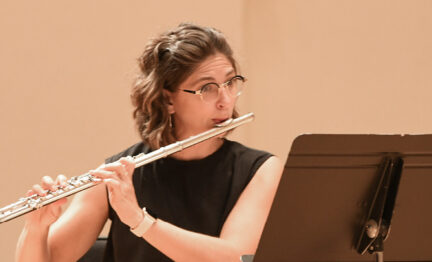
(61, 181)
(103, 174)
(48, 183)
(37, 189)
(101, 166)
(129, 164)
(111, 183)
(59, 202)
(119, 168)
(112, 186)
(55, 210)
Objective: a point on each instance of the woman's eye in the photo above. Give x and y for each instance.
(206, 88)
(209, 88)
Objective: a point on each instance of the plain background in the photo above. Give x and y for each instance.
(66, 70)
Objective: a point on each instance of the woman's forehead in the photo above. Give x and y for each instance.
(213, 67)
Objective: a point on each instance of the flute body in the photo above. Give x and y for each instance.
(85, 181)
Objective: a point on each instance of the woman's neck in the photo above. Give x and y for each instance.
(200, 150)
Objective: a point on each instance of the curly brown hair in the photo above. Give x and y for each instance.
(165, 63)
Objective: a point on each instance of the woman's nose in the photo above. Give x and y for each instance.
(224, 97)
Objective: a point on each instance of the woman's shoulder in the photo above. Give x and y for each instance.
(246, 157)
(133, 150)
(246, 151)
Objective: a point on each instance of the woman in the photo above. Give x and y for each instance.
(208, 202)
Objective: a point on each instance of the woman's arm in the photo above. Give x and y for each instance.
(44, 238)
(241, 231)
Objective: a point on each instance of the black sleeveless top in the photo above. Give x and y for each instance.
(195, 195)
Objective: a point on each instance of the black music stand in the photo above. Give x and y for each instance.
(336, 188)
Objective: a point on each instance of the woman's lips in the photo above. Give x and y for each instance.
(219, 120)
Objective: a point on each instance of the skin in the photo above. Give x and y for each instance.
(50, 236)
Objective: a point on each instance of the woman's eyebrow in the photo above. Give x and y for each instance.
(230, 72)
(210, 78)
(201, 79)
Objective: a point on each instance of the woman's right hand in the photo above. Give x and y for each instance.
(48, 214)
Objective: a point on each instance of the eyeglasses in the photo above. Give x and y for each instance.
(210, 91)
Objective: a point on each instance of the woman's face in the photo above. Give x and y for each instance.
(192, 115)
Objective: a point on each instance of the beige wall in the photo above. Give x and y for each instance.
(337, 67)
(313, 67)
(66, 71)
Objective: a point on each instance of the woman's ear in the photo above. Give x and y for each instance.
(169, 103)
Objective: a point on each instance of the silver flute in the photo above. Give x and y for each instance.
(85, 181)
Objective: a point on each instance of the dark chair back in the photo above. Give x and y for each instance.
(96, 252)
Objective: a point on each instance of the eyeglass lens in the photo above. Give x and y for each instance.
(234, 87)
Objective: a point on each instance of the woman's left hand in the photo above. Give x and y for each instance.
(117, 177)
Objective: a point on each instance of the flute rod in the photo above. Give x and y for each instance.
(85, 181)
